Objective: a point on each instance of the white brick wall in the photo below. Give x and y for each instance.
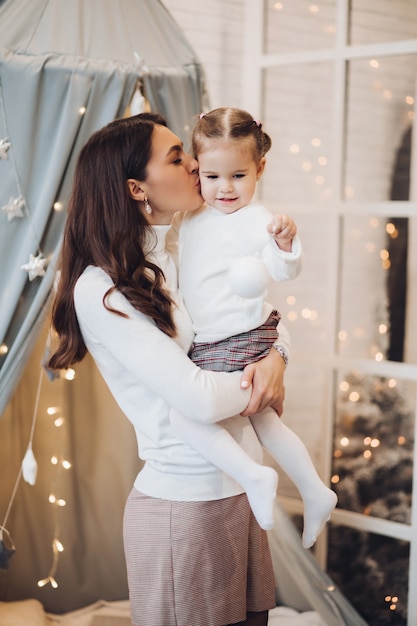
(214, 29)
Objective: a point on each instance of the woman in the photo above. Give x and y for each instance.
(194, 552)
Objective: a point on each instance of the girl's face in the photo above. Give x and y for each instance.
(172, 182)
(228, 173)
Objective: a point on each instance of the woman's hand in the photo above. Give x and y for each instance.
(267, 379)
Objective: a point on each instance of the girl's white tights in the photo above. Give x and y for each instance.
(260, 482)
(292, 455)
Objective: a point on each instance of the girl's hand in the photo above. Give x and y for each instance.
(283, 229)
(267, 379)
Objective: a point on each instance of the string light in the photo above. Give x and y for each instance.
(60, 464)
(57, 547)
(391, 230)
(69, 374)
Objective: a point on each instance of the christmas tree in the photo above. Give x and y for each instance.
(372, 475)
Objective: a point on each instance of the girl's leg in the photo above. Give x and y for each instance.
(217, 445)
(292, 455)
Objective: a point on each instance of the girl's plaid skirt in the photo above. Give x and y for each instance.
(234, 353)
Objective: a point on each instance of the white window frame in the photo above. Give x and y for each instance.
(254, 63)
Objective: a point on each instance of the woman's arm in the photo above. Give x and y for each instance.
(135, 348)
(267, 377)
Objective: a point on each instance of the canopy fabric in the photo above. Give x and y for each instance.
(66, 69)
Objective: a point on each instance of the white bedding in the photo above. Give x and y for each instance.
(31, 613)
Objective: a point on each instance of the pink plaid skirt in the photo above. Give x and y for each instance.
(195, 563)
(234, 353)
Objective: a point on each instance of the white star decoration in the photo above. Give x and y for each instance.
(36, 266)
(4, 146)
(15, 208)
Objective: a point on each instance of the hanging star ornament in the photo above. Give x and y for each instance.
(5, 552)
(36, 266)
(5, 555)
(15, 208)
(4, 146)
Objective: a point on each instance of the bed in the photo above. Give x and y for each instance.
(31, 613)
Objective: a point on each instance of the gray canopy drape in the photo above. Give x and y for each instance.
(66, 69)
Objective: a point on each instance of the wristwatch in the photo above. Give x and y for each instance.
(282, 352)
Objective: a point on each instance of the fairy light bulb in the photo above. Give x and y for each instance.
(50, 579)
(58, 545)
(354, 396)
(69, 374)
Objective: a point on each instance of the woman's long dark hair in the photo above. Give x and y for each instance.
(106, 228)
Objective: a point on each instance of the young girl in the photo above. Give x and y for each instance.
(233, 323)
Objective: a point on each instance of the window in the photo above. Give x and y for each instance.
(334, 83)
